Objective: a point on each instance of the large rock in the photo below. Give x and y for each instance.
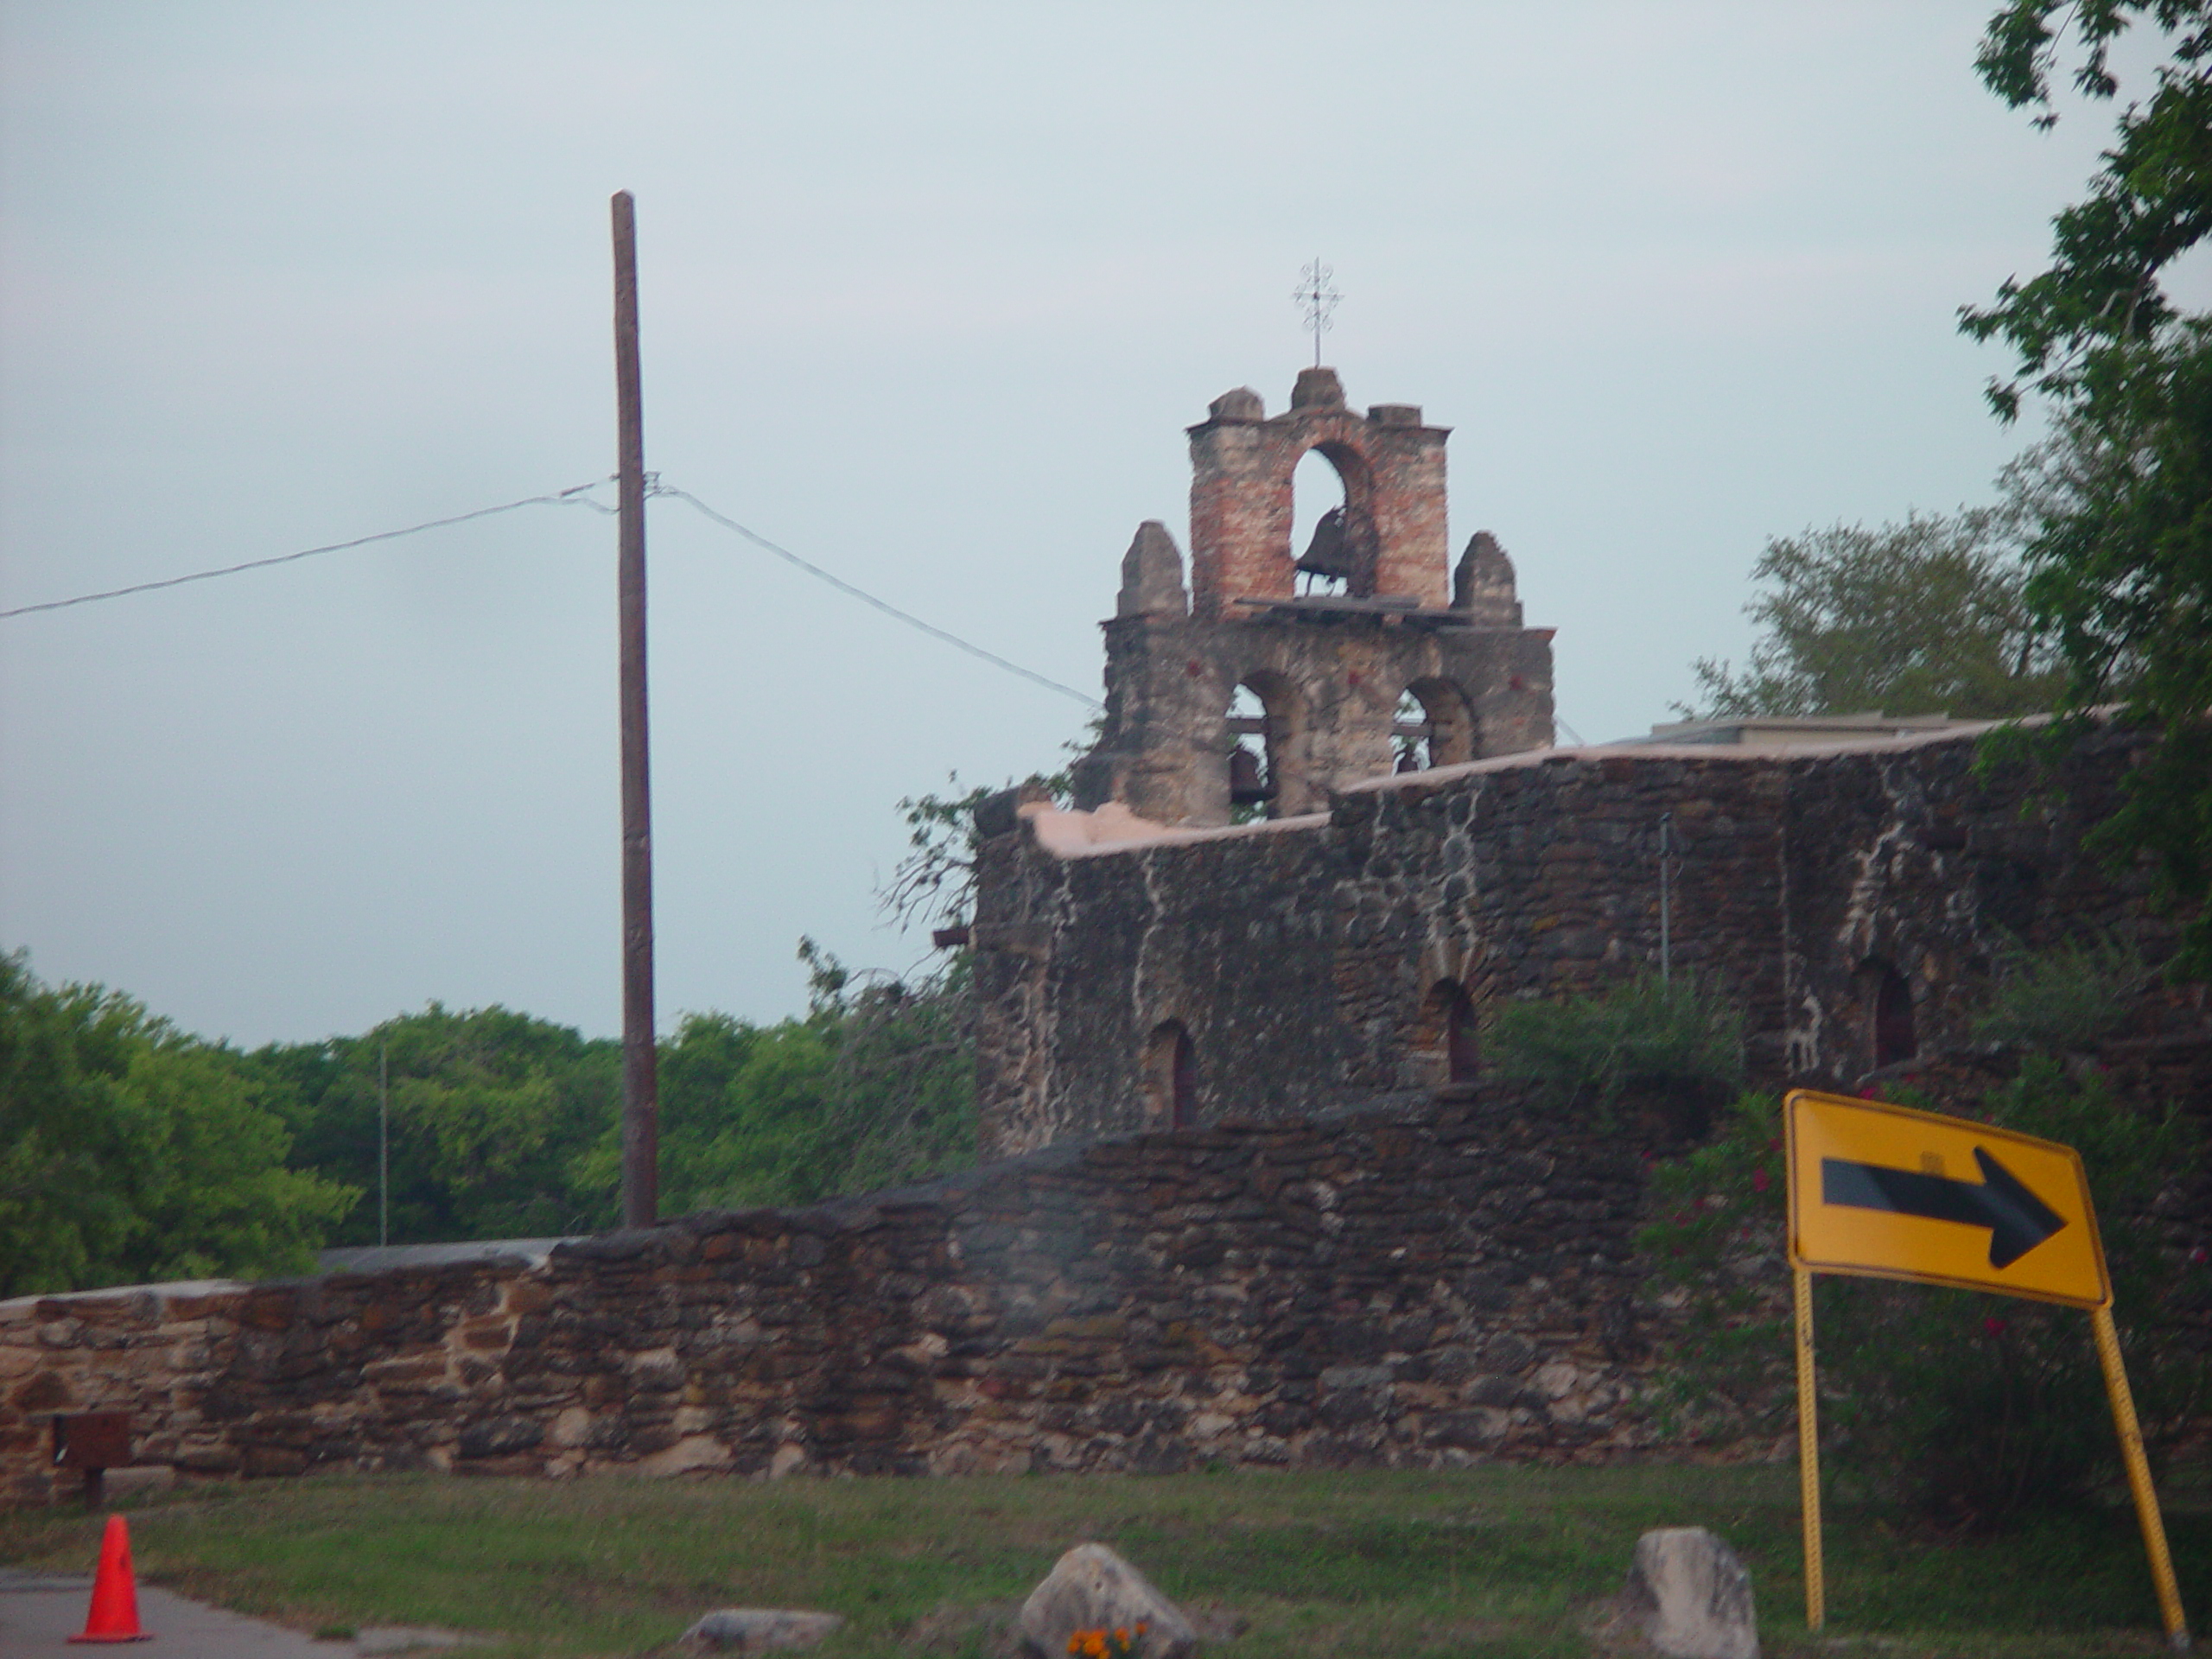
(756, 1629)
(1689, 1597)
(1091, 1588)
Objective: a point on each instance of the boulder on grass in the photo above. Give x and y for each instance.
(756, 1629)
(1689, 1597)
(1091, 1588)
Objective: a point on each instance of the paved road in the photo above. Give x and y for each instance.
(39, 1612)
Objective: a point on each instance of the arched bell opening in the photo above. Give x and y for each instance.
(1886, 995)
(1333, 521)
(1263, 723)
(1447, 1037)
(1171, 1077)
(1432, 727)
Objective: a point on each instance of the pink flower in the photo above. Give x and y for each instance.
(1994, 1326)
(1759, 1182)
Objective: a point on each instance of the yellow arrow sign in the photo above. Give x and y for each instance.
(1892, 1194)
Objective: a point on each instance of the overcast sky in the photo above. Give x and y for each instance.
(929, 293)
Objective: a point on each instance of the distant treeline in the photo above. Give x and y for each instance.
(131, 1151)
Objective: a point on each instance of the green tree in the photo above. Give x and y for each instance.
(491, 1111)
(132, 1152)
(1925, 617)
(874, 1087)
(2119, 558)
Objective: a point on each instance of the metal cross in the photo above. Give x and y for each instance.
(1317, 299)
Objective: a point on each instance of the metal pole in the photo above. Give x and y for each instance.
(1666, 897)
(383, 1141)
(1808, 1456)
(2139, 1480)
(640, 1093)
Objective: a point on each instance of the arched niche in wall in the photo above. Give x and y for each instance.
(1886, 996)
(1265, 719)
(1434, 726)
(1448, 1034)
(1171, 1077)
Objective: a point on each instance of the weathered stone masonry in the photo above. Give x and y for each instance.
(1376, 1290)
(1329, 670)
(1303, 963)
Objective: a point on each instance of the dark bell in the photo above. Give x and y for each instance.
(1329, 553)
(1246, 785)
(1409, 759)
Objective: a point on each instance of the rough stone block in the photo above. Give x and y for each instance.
(1690, 1596)
(758, 1629)
(1092, 1588)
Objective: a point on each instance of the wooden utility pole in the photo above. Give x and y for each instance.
(640, 1084)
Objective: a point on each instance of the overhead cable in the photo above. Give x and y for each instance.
(573, 496)
(577, 495)
(844, 586)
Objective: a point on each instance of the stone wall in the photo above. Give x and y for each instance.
(1376, 1289)
(1301, 956)
(1304, 958)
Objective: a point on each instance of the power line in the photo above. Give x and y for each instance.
(573, 496)
(844, 586)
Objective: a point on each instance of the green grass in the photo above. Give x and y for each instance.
(1495, 1562)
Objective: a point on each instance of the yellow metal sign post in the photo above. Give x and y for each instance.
(1886, 1192)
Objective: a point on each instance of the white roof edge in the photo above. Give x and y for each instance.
(1113, 829)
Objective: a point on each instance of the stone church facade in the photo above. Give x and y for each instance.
(1142, 961)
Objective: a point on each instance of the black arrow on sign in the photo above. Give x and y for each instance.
(2017, 1219)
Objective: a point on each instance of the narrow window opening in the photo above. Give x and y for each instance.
(1449, 1034)
(1410, 730)
(1462, 1038)
(1171, 1077)
(1894, 1038)
(1434, 725)
(1261, 725)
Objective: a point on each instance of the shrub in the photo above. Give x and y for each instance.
(2063, 999)
(1585, 1052)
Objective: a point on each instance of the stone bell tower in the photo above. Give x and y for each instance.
(1409, 662)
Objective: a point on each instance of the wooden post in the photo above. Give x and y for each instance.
(640, 1089)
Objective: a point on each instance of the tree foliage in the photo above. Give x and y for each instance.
(2079, 326)
(503, 1126)
(934, 882)
(129, 1152)
(874, 1087)
(2119, 558)
(489, 1112)
(1925, 617)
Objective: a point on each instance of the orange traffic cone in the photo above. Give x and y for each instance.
(114, 1615)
